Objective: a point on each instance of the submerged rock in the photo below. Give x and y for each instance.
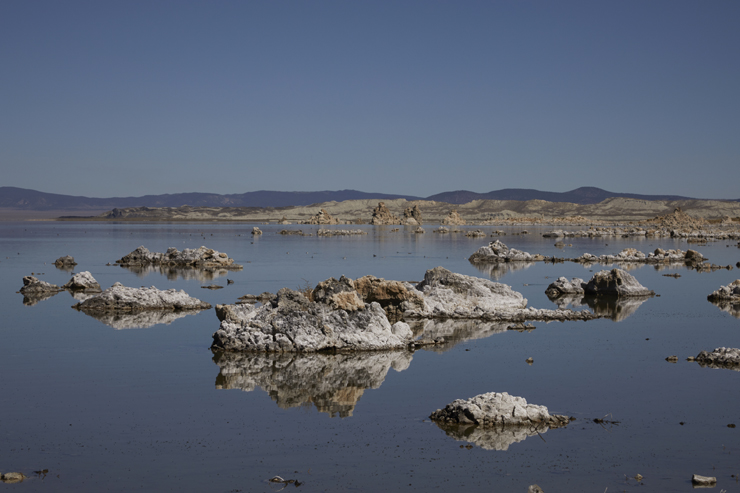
(65, 262)
(292, 323)
(497, 251)
(333, 383)
(83, 281)
(190, 257)
(495, 420)
(383, 216)
(33, 287)
(721, 357)
(119, 298)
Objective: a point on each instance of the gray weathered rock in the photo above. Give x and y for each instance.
(703, 480)
(394, 296)
(83, 281)
(119, 298)
(563, 286)
(234, 313)
(721, 357)
(190, 257)
(292, 323)
(12, 477)
(32, 286)
(497, 251)
(256, 231)
(495, 420)
(332, 382)
(65, 262)
(730, 293)
(615, 282)
(412, 216)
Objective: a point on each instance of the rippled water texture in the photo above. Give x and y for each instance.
(104, 407)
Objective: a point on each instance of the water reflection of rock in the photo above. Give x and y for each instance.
(331, 382)
(498, 270)
(724, 305)
(174, 273)
(30, 299)
(139, 320)
(616, 309)
(451, 332)
(495, 438)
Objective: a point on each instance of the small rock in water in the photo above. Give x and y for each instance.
(530, 361)
(12, 477)
(533, 488)
(672, 358)
(703, 480)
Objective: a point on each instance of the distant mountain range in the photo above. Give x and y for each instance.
(26, 199)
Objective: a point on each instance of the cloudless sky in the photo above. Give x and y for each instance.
(120, 98)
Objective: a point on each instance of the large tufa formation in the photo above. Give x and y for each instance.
(497, 251)
(201, 258)
(453, 218)
(323, 217)
(382, 216)
(412, 216)
(120, 298)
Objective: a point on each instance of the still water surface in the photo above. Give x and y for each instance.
(122, 405)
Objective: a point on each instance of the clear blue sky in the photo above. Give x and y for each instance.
(111, 98)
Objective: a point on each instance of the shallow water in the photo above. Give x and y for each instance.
(154, 409)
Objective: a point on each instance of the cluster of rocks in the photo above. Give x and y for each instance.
(615, 282)
(350, 315)
(495, 420)
(323, 217)
(453, 218)
(691, 235)
(299, 232)
(497, 251)
(721, 357)
(201, 258)
(35, 290)
(340, 232)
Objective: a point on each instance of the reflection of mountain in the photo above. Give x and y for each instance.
(491, 438)
(611, 307)
(175, 273)
(454, 331)
(139, 320)
(497, 270)
(724, 305)
(332, 382)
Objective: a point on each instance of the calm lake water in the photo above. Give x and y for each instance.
(153, 409)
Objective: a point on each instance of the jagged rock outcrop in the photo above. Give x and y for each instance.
(323, 217)
(332, 382)
(453, 218)
(120, 298)
(393, 296)
(503, 414)
(497, 251)
(200, 258)
(65, 262)
(383, 216)
(292, 323)
(615, 282)
(729, 293)
(412, 216)
(33, 286)
(83, 281)
(721, 357)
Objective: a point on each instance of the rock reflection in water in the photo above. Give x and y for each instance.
(331, 382)
(174, 273)
(491, 438)
(30, 299)
(453, 331)
(497, 270)
(611, 307)
(726, 306)
(139, 320)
